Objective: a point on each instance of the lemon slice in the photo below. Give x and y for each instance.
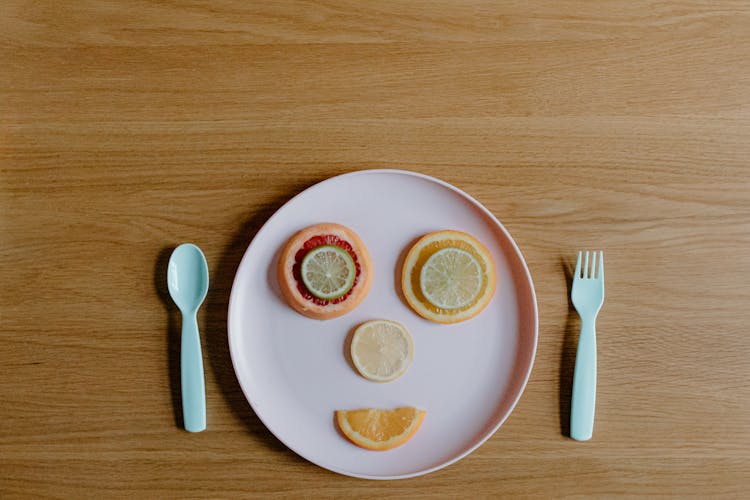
(451, 278)
(328, 272)
(381, 350)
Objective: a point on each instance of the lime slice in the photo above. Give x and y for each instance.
(328, 272)
(451, 278)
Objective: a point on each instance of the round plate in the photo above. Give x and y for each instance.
(467, 376)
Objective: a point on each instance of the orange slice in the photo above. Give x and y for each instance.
(448, 276)
(375, 429)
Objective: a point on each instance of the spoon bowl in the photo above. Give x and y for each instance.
(187, 277)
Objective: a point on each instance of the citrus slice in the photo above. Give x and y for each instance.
(328, 272)
(297, 289)
(448, 276)
(375, 429)
(381, 350)
(451, 278)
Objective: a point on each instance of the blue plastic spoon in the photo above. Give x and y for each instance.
(187, 279)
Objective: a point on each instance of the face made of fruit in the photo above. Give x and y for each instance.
(452, 276)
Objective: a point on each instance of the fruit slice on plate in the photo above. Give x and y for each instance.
(324, 271)
(381, 350)
(375, 429)
(328, 272)
(448, 276)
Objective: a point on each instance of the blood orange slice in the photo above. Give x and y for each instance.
(324, 271)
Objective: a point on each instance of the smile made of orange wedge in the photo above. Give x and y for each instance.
(377, 429)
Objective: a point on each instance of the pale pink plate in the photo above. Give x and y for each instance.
(468, 376)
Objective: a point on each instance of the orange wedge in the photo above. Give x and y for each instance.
(448, 276)
(375, 429)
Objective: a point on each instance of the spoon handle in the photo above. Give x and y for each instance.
(193, 385)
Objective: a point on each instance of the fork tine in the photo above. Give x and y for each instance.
(586, 266)
(577, 273)
(593, 265)
(600, 272)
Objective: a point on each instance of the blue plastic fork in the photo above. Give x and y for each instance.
(587, 296)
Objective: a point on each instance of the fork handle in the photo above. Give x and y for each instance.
(584, 384)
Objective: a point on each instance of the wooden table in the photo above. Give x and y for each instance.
(129, 127)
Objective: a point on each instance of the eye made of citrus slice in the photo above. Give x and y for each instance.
(376, 429)
(451, 278)
(448, 276)
(328, 272)
(381, 350)
(337, 275)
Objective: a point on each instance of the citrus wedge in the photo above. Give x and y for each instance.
(381, 350)
(448, 276)
(376, 429)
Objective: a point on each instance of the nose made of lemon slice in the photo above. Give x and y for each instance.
(381, 350)
(377, 429)
(448, 276)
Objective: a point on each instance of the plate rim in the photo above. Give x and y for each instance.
(476, 204)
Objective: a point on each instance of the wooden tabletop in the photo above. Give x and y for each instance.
(127, 128)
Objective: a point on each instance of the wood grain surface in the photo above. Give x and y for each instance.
(127, 128)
